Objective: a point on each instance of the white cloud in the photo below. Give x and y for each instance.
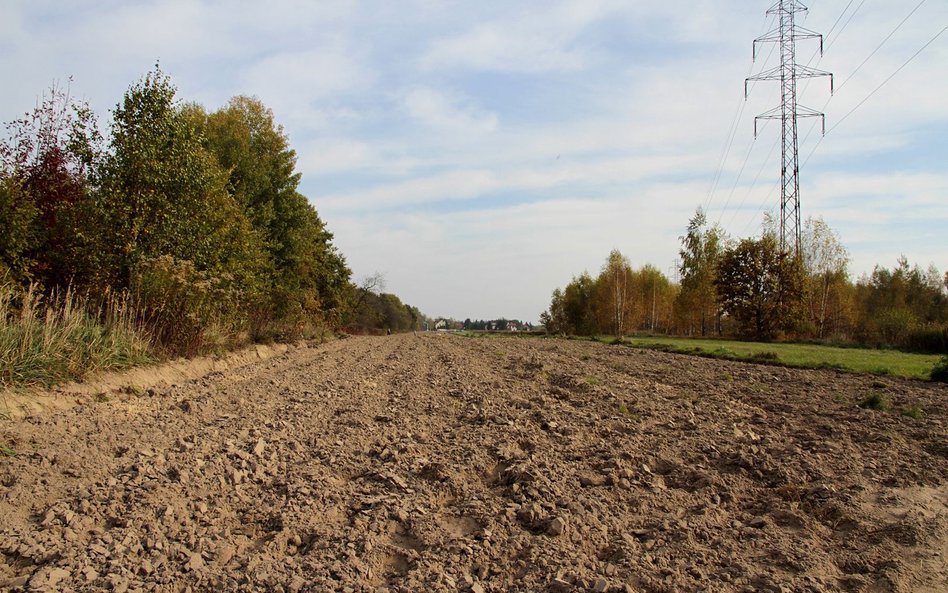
(442, 112)
(295, 83)
(532, 40)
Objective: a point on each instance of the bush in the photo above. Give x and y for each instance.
(940, 372)
(187, 311)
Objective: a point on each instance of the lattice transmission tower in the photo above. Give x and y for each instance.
(786, 35)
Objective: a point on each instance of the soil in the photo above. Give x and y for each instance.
(440, 463)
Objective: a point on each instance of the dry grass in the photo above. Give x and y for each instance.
(46, 340)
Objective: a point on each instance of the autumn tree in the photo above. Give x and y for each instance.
(825, 262)
(46, 169)
(554, 318)
(701, 249)
(654, 295)
(573, 310)
(614, 292)
(760, 287)
(897, 303)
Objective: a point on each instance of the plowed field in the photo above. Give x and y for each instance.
(435, 463)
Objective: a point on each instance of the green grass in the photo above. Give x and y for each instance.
(940, 371)
(6, 451)
(860, 360)
(874, 401)
(44, 341)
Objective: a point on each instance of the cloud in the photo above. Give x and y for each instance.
(298, 84)
(442, 112)
(531, 40)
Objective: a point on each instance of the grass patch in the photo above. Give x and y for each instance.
(914, 411)
(815, 356)
(874, 401)
(6, 451)
(44, 341)
(593, 380)
(628, 413)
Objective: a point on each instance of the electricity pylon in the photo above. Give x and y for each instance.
(788, 73)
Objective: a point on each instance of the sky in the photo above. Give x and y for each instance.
(479, 154)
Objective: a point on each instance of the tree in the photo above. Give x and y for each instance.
(825, 260)
(896, 303)
(614, 289)
(573, 310)
(760, 287)
(163, 194)
(655, 296)
(46, 164)
(700, 252)
(579, 306)
(554, 319)
(306, 273)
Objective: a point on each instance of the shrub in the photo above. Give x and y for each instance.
(940, 372)
(187, 311)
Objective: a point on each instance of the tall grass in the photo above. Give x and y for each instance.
(48, 339)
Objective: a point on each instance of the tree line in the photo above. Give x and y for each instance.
(499, 325)
(196, 215)
(751, 288)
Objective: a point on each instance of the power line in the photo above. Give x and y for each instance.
(760, 208)
(878, 47)
(864, 62)
(843, 28)
(750, 190)
(876, 90)
(732, 130)
(829, 35)
(839, 18)
(746, 156)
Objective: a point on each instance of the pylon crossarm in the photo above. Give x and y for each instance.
(801, 33)
(784, 6)
(775, 113)
(807, 112)
(807, 72)
(772, 74)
